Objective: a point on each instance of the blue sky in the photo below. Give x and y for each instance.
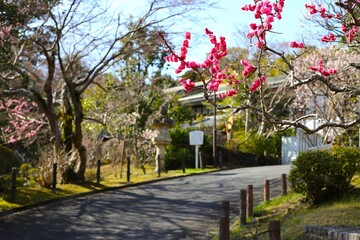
(231, 16)
(225, 20)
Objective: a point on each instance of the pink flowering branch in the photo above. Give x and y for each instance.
(16, 14)
(20, 123)
(211, 65)
(320, 68)
(348, 25)
(265, 14)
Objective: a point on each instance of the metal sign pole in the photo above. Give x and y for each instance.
(197, 156)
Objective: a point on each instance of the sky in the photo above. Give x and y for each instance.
(230, 17)
(226, 19)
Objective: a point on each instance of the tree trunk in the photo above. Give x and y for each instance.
(68, 123)
(78, 136)
(73, 135)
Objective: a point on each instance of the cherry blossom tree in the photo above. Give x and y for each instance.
(339, 18)
(22, 120)
(69, 46)
(316, 98)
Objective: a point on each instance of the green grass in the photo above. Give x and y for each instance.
(36, 194)
(294, 213)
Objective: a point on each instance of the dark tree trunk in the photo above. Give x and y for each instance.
(67, 124)
(78, 136)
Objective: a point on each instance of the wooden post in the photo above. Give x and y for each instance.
(283, 184)
(54, 177)
(183, 164)
(98, 172)
(13, 184)
(224, 231)
(266, 190)
(250, 201)
(242, 207)
(159, 165)
(274, 230)
(128, 170)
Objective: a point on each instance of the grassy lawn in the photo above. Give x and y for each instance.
(32, 195)
(294, 214)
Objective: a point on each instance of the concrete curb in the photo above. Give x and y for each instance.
(331, 233)
(93, 192)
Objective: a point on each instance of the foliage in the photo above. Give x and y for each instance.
(179, 113)
(261, 145)
(324, 174)
(29, 174)
(62, 54)
(180, 149)
(294, 214)
(8, 160)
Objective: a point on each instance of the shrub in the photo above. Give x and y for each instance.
(267, 146)
(8, 160)
(5, 182)
(180, 148)
(174, 157)
(324, 174)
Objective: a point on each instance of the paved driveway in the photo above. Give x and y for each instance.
(183, 208)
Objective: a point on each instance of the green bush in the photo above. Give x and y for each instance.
(8, 160)
(324, 174)
(180, 148)
(5, 182)
(267, 146)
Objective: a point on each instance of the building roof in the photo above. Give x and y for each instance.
(196, 95)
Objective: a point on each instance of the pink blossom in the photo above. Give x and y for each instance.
(208, 32)
(193, 65)
(294, 44)
(351, 34)
(328, 38)
(318, 9)
(257, 83)
(22, 123)
(188, 85)
(248, 68)
(228, 93)
(253, 26)
(320, 68)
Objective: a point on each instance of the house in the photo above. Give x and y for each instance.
(291, 146)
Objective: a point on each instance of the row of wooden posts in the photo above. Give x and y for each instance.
(246, 210)
(54, 177)
(14, 173)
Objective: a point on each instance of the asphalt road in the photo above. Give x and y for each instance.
(182, 208)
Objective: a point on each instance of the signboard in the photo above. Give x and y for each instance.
(196, 137)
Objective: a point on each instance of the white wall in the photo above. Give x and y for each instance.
(289, 149)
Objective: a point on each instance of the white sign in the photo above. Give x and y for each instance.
(196, 138)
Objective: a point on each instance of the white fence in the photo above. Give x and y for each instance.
(291, 147)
